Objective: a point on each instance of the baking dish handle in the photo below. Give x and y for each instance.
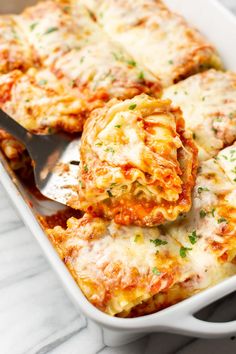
(185, 322)
(193, 326)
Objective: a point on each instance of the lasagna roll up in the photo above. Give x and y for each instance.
(206, 237)
(138, 164)
(117, 267)
(157, 38)
(40, 102)
(70, 43)
(208, 102)
(213, 214)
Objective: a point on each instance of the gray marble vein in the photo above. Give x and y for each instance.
(36, 316)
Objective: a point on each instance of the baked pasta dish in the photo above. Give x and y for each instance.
(138, 163)
(152, 220)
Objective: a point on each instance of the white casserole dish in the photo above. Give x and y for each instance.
(219, 26)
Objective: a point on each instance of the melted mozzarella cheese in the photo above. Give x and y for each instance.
(208, 102)
(39, 101)
(136, 149)
(159, 39)
(15, 52)
(121, 263)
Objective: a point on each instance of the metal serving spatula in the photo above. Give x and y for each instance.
(56, 159)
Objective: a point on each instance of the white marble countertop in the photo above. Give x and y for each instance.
(36, 316)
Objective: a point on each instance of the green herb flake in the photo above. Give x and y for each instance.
(193, 237)
(234, 170)
(66, 8)
(141, 75)
(85, 168)
(203, 99)
(220, 220)
(42, 82)
(109, 149)
(118, 126)
(158, 242)
(82, 59)
(33, 25)
(155, 271)
(213, 212)
(51, 30)
(131, 62)
(202, 189)
(183, 251)
(202, 213)
(132, 106)
(171, 62)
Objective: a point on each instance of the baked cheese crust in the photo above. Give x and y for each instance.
(15, 52)
(116, 267)
(156, 37)
(68, 40)
(138, 164)
(208, 102)
(40, 102)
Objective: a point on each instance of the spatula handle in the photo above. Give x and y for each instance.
(13, 128)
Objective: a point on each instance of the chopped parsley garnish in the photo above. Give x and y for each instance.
(193, 237)
(220, 220)
(51, 30)
(82, 59)
(183, 251)
(202, 213)
(203, 99)
(42, 82)
(155, 271)
(141, 75)
(33, 25)
(66, 8)
(171, 62)
(85, 168)
(132, 106)
(98, 144)
(158, 242)
(202, 189)
(234, 170)
(186, 93)
(117, 126)
(109, 149)
(109, 193)
(131, 62)
(176, 92)
(213, 212)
